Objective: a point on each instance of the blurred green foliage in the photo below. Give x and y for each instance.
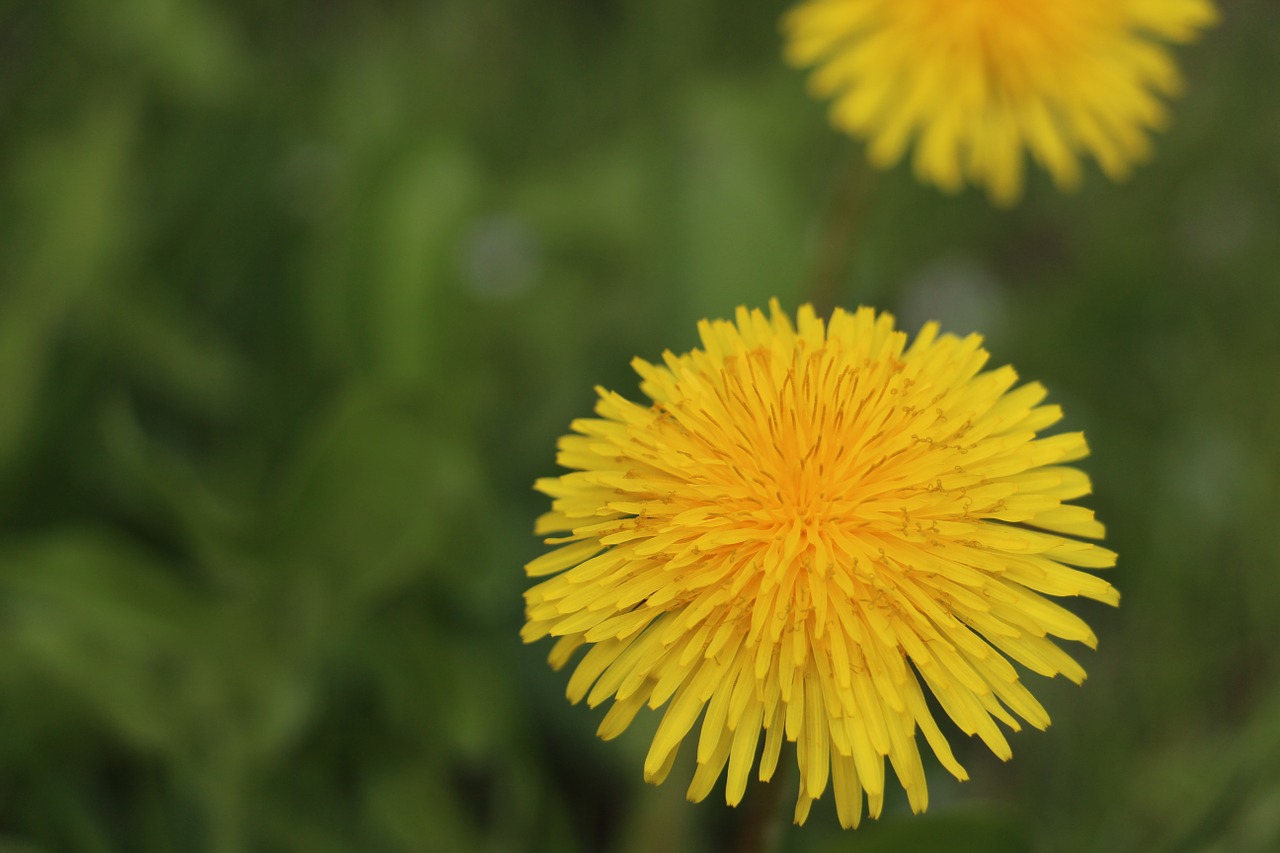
(295, 298)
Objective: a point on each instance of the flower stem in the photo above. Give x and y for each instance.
(841, 225)
(762, 825)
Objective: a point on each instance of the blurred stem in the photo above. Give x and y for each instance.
(841, 226)
(761, 828)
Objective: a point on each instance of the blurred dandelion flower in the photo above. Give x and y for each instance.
(806, 524)
(974, 82)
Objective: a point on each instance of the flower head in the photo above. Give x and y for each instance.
(974, 82)
(809, 527)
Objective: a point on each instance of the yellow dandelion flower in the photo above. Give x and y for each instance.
(974, 82)
(809, 526)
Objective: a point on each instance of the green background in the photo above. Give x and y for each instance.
(295, 298)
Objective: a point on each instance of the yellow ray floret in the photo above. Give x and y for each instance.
(975, 83)
(809, 526)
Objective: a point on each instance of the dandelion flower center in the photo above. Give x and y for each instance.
(807, 524)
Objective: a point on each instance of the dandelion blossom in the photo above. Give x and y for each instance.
(974, 82)
(810, 527)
